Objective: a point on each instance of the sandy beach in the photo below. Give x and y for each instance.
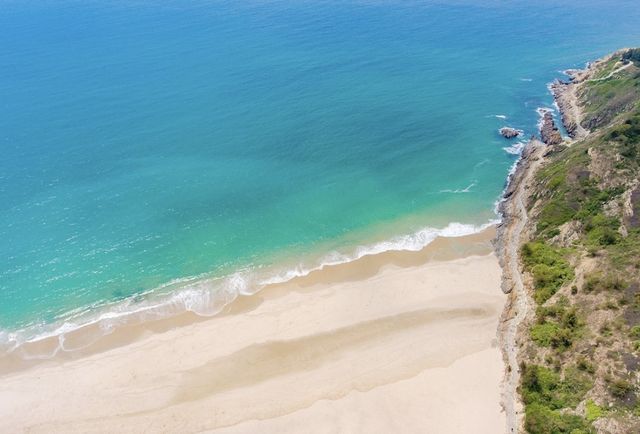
(397, 342)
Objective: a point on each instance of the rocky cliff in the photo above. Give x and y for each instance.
(571, 237)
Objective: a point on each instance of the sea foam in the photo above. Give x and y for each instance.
(467, 189)
(516, 148)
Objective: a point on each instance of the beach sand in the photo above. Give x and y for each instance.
(398, 342)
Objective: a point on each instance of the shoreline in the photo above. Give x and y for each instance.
(193, 299)
(518, 305)
(564, 95)
(566, 98)
(514, 230)
(92, 338)
(401, 334)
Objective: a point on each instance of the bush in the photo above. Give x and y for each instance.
(554, 214)
(620, 388)
(548, 267)
(604, 236)
(601, 230)
(593, 201)
(585, 365)
(549, 334)
(593, 411)
(627, 135)
(614, 283)
(596, 282)
(542, 420)
(558, 332)
(543, 386)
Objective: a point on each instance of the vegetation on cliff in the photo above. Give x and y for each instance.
(581, 362)
(612, 89)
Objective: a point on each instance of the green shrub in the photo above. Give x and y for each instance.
(603, 236)
(555, 213)
(569, 319)
(593, 200)
(549, 334)
(635, 332)
(592, 282)
(585, 365)
(543, 386)
(556, 310)
(601, 230)
(627, 252)
(542, 420)
(593, 411)
(557, 326)
(627, 135)
(548, 267)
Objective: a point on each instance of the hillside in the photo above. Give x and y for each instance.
(578, 341)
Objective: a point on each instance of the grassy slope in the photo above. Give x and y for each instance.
(581, 362)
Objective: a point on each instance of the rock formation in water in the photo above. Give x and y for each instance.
(509, 133)
(549, 131)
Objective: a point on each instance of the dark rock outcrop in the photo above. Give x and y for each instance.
(548, 130)
(509, 133)
(559, 89)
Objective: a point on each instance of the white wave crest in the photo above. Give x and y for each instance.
(516, 148)
(467, 189)
(541, 112)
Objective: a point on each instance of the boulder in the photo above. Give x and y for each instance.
(509, 133)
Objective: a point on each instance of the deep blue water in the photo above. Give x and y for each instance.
(150, 142)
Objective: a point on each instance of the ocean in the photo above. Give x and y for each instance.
(167, 156)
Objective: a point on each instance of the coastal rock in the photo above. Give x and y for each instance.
(548, 131)
(513, 183)
(560, 91)
(573, 74)
(509, 133)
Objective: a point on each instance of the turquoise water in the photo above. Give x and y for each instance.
(183, 151)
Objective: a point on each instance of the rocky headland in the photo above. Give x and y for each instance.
(569, 246)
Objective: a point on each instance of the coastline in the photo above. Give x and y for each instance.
(565, 94)
(458, 297)
(515, 229)
(518, 307)
(399, 334)
(189, 300)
